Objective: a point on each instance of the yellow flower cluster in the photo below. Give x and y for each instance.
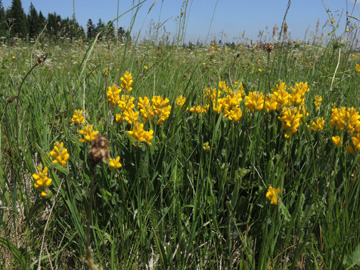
(206, 146)
(60, 154)
(88, 133)
(78, 118)
(126, 104)
(113, 95)
(139, 134)
(317, 102)
(255, 101)
(180, 101)
(271, 195)
(126, 81)
(347, 118)
(160, 109)
(318, 124)
(291, 117)
(115, 163)
(42, 181)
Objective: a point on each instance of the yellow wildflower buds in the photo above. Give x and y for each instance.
(318, 125)
(114, 164)
(337, 140)
(271, 195)
(139, 134)
(126, 81)
(206, 146)
(42, 181)
(60, 154)
(180, 101)
(89, 134)
(160, 109)
(113, 95)
(317, 101)
(290, 120)
(255, 101)
(78, 117)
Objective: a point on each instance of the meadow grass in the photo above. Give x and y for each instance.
(199, 193)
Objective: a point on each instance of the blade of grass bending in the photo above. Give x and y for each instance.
(14, 251)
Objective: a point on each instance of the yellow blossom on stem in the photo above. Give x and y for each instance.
(78, 117)
(160, 109)
(255, 101)
(60, 154)
(42, 181)
(89, 134)
(139, 134)
(317, 102)
(356, 141)
(357, 67)
(128, 115)
(126, 102)
(271, 195)
(113, 95)
(206, 146)
(337, 140)
(290, 119)
(180, 101)
(114, 164)
(126, 81)
(318, 124)
(145, 109)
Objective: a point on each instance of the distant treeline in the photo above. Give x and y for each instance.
(15, 23)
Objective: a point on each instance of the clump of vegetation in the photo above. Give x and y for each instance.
(148, 155)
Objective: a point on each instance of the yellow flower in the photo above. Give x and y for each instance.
(337, 140)
(128, 115)
(78, 117)
(255, 101)
(89, 134)
(126, 81)
(60, 154)
(332, 21)
(290, 120)
(145, 109)
(318, 125)
(126, 102)
(271, 195)
(114, 164)
(357, 67)
(180, 101)
(42, 181)
(356, 141)
(160, 109)
(317, 101)
(145, 67)
(113, 95)
(259, 70)
(13, 57)
(206, 146)
(139, 134)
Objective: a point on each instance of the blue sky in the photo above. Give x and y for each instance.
(232, 19)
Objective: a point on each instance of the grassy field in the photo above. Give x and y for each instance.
(211, 157)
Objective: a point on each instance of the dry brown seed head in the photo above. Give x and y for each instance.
(269, 47)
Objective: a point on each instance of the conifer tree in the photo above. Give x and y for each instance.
(17, 13)
(2, 20)
(33, 22)
(90, 29)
